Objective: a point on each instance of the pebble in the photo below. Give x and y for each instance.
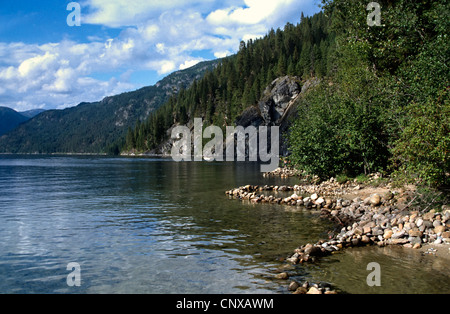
(282, 276)
(314, 290)
(293, 286)
(375, 200)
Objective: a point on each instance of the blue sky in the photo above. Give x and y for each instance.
(121, 45)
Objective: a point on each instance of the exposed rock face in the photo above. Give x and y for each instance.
(278, 97)
(251, 116)
(274, 109)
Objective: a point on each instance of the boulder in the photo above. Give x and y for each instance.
(428, 216)
(388, 234)
(250, 116)
(293, 286)
(301, 290)
(439, 229)
(314, 290)
(375, 200)
(277, 97)
(282, 276)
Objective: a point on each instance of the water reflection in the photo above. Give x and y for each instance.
(156, 226)
(139, 226)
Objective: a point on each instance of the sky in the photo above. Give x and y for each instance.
(46, 62)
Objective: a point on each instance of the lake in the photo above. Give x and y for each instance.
(143, 225)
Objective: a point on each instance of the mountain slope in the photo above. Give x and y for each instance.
(10, 119)
(96, 127)
(239, 82)
(32, 113)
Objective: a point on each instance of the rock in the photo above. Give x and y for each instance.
(419, 222)
(293, 286)
(365, 239)
(375, 200)
(398, 241)
(330, 292)
(314, 197)
(314, 290)
(446, 234)
(320, 201)
(428, 216)
(437, 223)
(427, 224)
(417, 246)
(388, 234)
(282, 276)
(399, 234)
(277, 97)
(313, 251)
(301, 290)
(294, 260)
(415, 233)
(388, 196)
(439, 229)
(377, 231)
(415, 240)
(324, 285)
(355, 242)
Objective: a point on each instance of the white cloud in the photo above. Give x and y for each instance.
(160, 36)
(55, 75)
(123, 13)
(189, 63)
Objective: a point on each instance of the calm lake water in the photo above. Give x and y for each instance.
(138, 225)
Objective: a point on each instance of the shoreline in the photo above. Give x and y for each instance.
(363, 215)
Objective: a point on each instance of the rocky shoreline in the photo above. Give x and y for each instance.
(380, 219)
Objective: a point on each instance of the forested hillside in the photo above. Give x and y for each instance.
(239, 81)
(10, 119)
(385, 105)
(383, 100)
(96, 127)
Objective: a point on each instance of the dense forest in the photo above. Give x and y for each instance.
(385, 104)
(239, 81)
(382, 104)
(97, 127)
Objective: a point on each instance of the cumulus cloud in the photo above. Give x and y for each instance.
(158, 36)
(55, 75)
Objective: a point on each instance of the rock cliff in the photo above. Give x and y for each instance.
(275, 108)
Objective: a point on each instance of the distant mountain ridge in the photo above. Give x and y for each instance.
(10, 119)
(32, 113)
(96, 127)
